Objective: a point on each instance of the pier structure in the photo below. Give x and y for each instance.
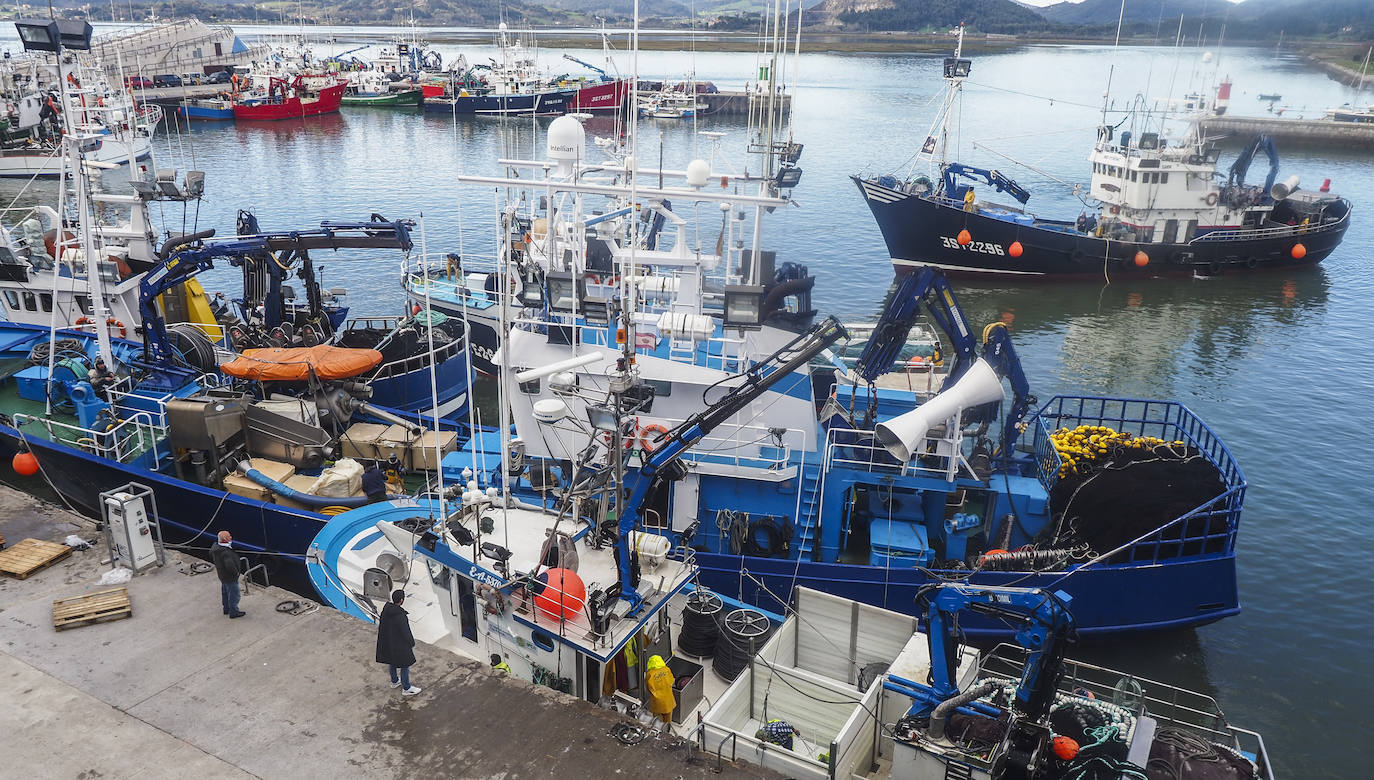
(176, 689)
(1292, 132)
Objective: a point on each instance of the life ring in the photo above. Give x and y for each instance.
(110, 322)
(630, 439)
(593, 279)
(651, 436)
(1116, 210)
(917, 361)
(1211, 199)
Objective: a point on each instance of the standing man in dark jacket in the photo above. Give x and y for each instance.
(395, 645)
(227, 567)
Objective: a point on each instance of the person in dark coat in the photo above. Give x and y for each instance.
(395, 644)
(374, 483)
(227, 567)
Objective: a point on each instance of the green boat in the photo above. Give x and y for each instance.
(410, 97)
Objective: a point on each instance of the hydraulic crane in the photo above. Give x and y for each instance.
(927, 289)
(1044, 625)
(185, 257)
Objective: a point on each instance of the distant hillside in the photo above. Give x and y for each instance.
(992, 16)
(1249, 20)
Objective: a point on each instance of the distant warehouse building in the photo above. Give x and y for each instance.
(183, 46)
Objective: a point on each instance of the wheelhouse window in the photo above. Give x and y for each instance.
(30, 302)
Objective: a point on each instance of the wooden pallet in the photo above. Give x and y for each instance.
(2, 542)
(28, 556)
(112, 604)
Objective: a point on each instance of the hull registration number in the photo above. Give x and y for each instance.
(973, 246)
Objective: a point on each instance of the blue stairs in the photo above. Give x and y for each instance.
(808, 523)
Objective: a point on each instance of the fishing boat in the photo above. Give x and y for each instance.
(206, 109)
(670, 104)
(289, 100)
(373, 89)
(511, 87)
(869, 696)
(607, 91)
(1160, 210)
(115, 131)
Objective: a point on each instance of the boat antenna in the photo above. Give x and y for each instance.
(1111, 71)
(433, 372)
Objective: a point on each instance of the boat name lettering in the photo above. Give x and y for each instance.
(478, 573)
(985, 247)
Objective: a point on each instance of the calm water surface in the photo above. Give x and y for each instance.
(1277, 363)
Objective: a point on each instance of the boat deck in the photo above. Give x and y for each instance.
(278, 711)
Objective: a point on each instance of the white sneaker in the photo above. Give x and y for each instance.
(396, 684)
(411, 691)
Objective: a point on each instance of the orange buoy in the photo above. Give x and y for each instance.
(964, 238)
(1015, 249)
(562, 596)
(1141, 259)
(414, 310)
(25, 463)
(1299, 251)
(1065, 748)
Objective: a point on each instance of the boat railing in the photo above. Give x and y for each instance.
(1238, 234)
(939, 455)
(1171, 705)
(1207, 529)
(757, 446)
(131, 438)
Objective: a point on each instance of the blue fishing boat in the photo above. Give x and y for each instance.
(206, 109)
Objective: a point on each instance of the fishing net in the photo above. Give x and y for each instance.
(1176, 754)
(1114, 487)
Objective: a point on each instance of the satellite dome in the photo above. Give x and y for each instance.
(566, 140)
(698, 171)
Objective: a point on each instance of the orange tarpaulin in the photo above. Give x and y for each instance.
(294, 364)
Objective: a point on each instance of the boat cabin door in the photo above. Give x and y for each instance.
(464, 606)
(1171, 231)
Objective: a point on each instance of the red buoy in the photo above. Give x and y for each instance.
(25, 463)
(414, 310)
(1299, 251)
(1141, 259)
(1015, 249)
(964, 238)
(563, 596)
(1065, 748)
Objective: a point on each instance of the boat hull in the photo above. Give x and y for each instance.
(408, 99)
(206, 113)
(537, 104)
(921, 230)
(189, 514)
(327, 102)
(1107, 602)
(17, 163)
(607, 96)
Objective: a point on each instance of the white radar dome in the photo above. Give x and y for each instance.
(567, 140)
(698, 171)
(1207, 56)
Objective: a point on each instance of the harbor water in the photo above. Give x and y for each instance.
(1277, 363)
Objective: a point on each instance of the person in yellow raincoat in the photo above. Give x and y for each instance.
(659, 679)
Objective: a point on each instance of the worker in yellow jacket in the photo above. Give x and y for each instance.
(659, 679)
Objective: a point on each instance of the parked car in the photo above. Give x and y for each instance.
(218, 77)
(138, 82)
(167, 80)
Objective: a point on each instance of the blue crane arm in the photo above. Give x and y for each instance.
(185, 257)
(928, 288)
(999, 352)
(996, 179)
(586, 65)
(1044, 624)
(1241, 167)
(663, 463)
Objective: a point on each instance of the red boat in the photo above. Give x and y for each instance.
(601, 96)
(290, 101)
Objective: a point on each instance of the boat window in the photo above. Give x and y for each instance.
(530, 388)
(12, 298)
(1163, 178)
(30, 302)
(84, 303)
(661, 388)
(542, 640)
(1135, 175)
(45, 300)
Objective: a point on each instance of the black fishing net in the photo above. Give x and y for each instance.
(1176, 754)
(1128, 492)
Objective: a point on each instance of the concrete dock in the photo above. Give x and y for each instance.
(1292, 132)
(179, 690)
